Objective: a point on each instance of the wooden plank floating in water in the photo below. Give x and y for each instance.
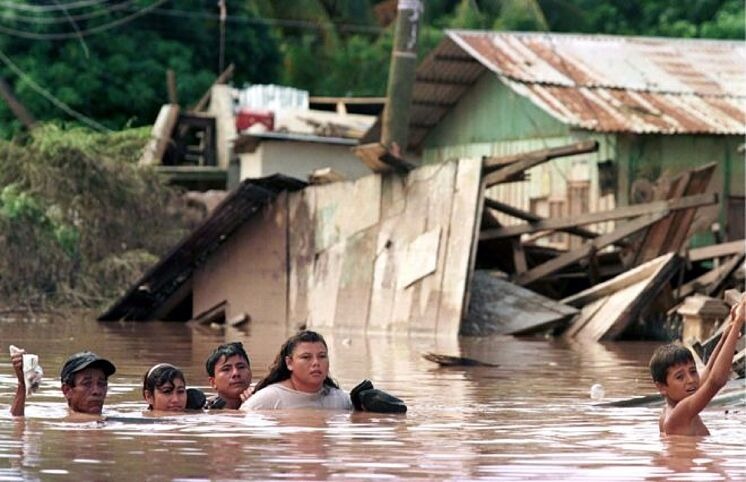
(455, 361)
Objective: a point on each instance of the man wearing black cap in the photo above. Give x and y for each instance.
(84, 378)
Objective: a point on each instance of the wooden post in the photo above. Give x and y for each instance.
(395, 125)
(171, 86)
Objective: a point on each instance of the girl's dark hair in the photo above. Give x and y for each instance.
(279, 370)
(160, 375)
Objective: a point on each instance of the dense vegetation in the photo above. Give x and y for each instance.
(107, 60)
(79, 221)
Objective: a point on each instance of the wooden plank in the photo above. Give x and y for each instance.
(394, 203)
(411, 224)
(498, 307)
(324, 290)
(717, 250)
(461, 246)
(531, 217)
(639, 273)
(383, 286)
(221, 79)
(709, 282)
(422, 258)
(602, 216)
(519, 257)
(381, 160)
(356, 279)
(682, 221)
(301, 252)
(345, 208)
(491, 164)
(584, 316)
(653, 238)
(426, 297)
(160, 136)
(602, 241)
(625, 305)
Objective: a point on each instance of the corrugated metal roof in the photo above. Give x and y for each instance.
(177, 267)
(597, 82)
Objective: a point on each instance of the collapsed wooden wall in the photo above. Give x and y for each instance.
(386, 252)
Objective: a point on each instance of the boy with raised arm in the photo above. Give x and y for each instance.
(686, 392)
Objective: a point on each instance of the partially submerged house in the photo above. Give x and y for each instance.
(383, 253)
(656, 106)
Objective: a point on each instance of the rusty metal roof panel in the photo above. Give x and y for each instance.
(655, 64)
(176, 268)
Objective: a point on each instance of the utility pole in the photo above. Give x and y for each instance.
(395, 125)
(223, 15)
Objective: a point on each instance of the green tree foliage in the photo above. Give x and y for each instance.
(79, 220)
(111, 67)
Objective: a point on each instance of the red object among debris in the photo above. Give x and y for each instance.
(248, 117)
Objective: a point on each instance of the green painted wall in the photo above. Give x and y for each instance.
(490, 111)
(649, 156)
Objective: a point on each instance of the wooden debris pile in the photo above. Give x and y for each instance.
(635, 274)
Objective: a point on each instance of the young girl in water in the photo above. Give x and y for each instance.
(164, 388)
(299, 378)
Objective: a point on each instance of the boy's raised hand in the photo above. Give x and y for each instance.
(17, 360)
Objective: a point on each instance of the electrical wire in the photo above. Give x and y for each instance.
(50, 8)
(270, 21)
(83, 33)
(51, 98)
(82, 16)
(77, 30)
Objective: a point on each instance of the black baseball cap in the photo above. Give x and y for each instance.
(82, 360)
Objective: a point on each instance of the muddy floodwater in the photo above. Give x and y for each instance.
(530, 418)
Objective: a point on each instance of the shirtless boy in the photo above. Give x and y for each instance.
(686, 392)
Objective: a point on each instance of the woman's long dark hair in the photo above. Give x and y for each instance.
(279, 370)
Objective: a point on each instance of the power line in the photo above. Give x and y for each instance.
(50, 8)
(90, 31)
(271, 21)
(77, 31)
(51, 98)
(82, 16)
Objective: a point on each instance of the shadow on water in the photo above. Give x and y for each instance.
(530, 417)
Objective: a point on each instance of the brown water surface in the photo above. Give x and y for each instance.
(531, 418)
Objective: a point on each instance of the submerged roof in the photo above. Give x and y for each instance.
(596, 82)
(176, 268)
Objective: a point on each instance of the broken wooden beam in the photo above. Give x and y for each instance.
(611, 306)
(601, 216)
(505, 172)
(379, 159)
(161, 135)
(710, 282)
(494, 163)
(589, 247)
(717, 250)
(221, 79)
(671, 233)
(531, 217)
